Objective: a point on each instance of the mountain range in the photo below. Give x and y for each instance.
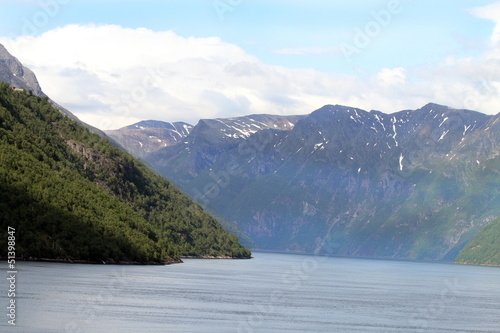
(415, 184)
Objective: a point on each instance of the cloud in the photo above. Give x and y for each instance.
(315, 50)
(391, 76)
(490, 12)
(111, 76)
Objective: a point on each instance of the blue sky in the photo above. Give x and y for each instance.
(334, 44)
(424, 31)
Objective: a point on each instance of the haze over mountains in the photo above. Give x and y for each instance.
(416, 184)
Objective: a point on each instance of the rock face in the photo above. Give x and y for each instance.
(414, 184)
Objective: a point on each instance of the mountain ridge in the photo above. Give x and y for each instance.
(149, 136)
(159, 134)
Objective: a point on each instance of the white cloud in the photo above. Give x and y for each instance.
(111, 76)
(490, 12)
(314, 50)
(392, 76)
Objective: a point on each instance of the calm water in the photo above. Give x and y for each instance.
(271, 293)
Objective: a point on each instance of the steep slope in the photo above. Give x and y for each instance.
(149, 136)
(415, 184)
(72, 195)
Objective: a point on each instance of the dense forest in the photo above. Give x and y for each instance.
(484, 248)
(70, 194)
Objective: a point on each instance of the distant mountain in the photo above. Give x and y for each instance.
(212, 137)
(71, 195)
(149, 136)
(415, 184)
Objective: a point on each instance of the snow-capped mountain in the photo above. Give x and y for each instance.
(149, 136)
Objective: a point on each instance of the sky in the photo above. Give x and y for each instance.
(113, 63)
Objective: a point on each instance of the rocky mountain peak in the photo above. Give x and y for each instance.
(15, 74)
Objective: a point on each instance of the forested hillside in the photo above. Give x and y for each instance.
(71, 195)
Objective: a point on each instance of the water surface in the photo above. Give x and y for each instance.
(271, 293)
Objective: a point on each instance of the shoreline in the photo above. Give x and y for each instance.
(472, 264)
(125, 262)
(216, 258)
(101, 262)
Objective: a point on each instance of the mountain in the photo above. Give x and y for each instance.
(71, 195)
(416, 184)
(149, 136)
(212, 137)
(146, 137)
